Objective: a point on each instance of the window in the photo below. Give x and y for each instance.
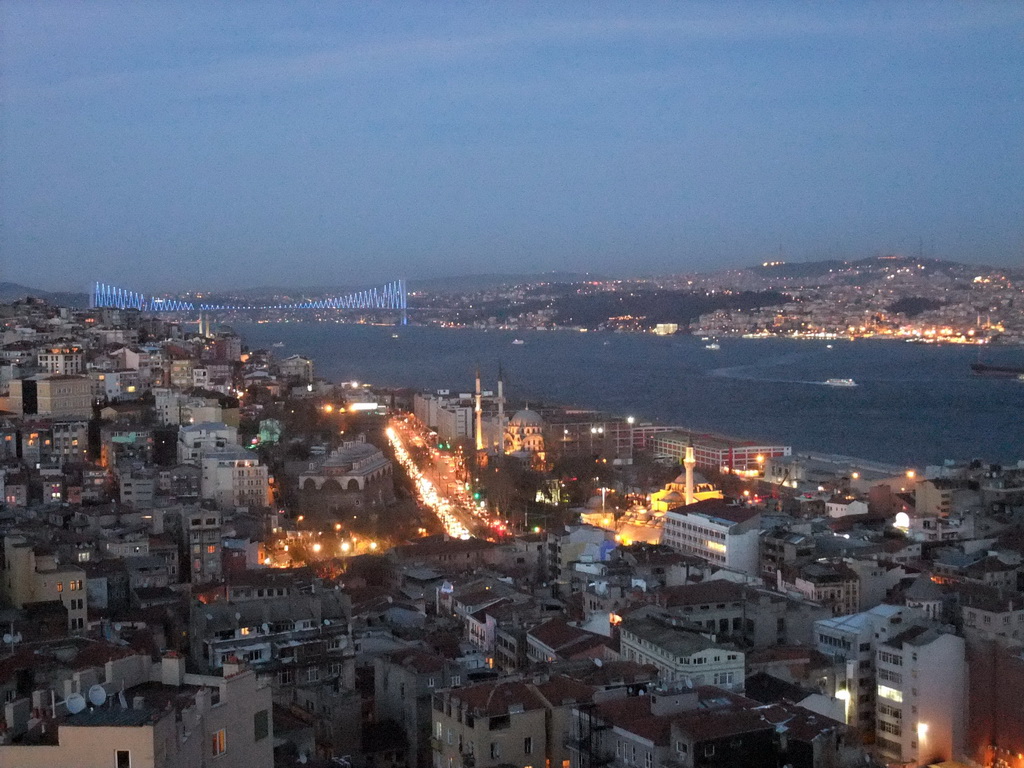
(261, 725)
(892, 694)
(709, 750)
(648, 759)
(528, 745)
(886, 727)
(60, 586)
(219, 743)
(495, 750)
(122, 759)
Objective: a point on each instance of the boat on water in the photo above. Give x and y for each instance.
(713, 345)
(518, 341)
(841, 382)
(277, 344)
(1003, 371)
(394, 335)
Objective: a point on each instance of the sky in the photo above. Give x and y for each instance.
(165, 146)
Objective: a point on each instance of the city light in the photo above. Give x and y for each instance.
(426, 492)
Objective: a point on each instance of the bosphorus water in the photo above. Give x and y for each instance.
(914, 404)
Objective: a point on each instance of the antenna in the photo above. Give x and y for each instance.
(75, 703)
(97, 695)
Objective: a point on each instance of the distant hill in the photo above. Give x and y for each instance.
(870, 265)
(14, 291)
(470, 283)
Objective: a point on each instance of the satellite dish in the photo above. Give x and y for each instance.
(327, 622)
(75, 703)
(209, 617)
(303, 759)
(237, 615)
(598, 663)
(97, 695)
(266, 627)
(117, 627)
(8, 637)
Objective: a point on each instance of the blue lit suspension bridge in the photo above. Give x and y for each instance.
(389, 297)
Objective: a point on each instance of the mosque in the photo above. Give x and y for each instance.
(524, 435)
(686, 489)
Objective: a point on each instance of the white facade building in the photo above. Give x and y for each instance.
(851, 641)
(196, 439)
(680, 654)
(724, 535)
(234, 478)
(921, 715)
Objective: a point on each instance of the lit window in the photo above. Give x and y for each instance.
(219, 743)
(890, 693)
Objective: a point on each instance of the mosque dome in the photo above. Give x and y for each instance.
(526, 418)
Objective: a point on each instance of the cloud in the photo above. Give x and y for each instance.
(292, 57)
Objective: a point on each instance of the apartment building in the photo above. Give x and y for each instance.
(851, 641)
(195, 440)
(67, 359)
(55, 395)
(683, 727)
(155, 717)
(834, 585)
(921, 712)
(506, 723)
(33, 574)
(203, 534)
(725, 535)
(404, 684)
(679, 653)
(234, 477)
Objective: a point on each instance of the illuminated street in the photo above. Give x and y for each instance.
(448, 513)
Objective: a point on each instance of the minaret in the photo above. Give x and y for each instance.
(689, 462)
(479, 415)
(501, 410)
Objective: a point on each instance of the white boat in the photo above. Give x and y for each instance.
(713, 345)
(277, 344)
(841, 382)
(394, 335)
(518, 341)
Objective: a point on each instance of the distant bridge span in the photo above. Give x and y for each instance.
(390, 296)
